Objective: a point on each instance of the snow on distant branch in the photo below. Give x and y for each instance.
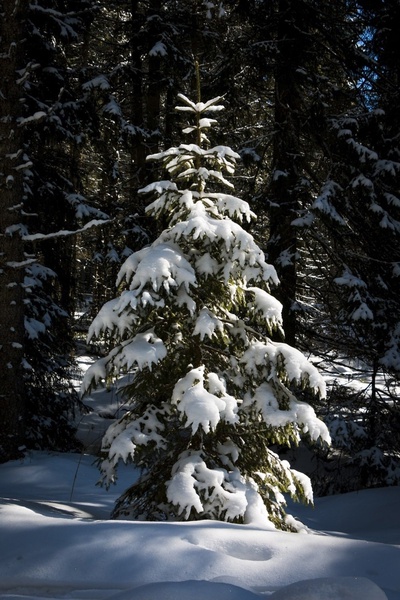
(324, 202)
(20, 264)
(35, 118)
(34, 237)
(363, 312)
(159, 49)
(350, 280)
(100, 82)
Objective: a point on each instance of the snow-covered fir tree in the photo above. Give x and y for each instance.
(211, 394)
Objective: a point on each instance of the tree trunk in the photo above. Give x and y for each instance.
(12, 403)
(282, 193)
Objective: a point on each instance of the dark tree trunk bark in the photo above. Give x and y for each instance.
(282, 246)
(12, 403)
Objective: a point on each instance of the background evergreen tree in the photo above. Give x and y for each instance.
(355, 233)
(57, 120)
(46, 126)
(211, 393)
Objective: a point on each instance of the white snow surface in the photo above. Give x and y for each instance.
(58, 543)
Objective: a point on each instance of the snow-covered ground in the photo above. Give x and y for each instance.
(57, 542)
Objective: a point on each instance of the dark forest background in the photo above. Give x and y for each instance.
(311, 89)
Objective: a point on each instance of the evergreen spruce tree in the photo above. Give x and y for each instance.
(211, 394)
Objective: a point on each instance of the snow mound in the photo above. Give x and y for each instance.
(183, 590)
(331, 588)
(57, 543)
